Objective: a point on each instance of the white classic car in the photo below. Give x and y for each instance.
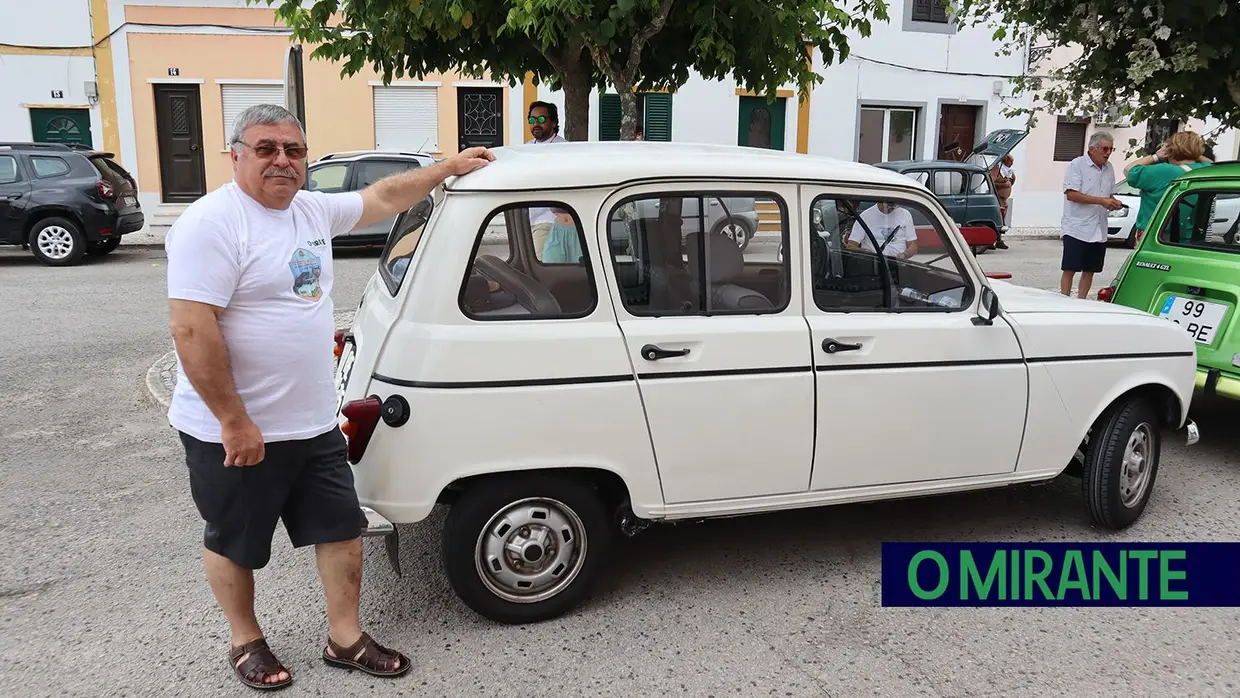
(554, 403)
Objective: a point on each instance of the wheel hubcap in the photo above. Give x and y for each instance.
(531, 550)
(1134, 474)
(736, 232)
(55, 242)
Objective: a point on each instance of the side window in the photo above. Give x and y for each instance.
(371, 171)
(530, 261)
(403, 243)
(1207, 219)
(948, 182)
(979, 183)
(919, 176)
(700, 253)
(328, 178)
(883, 255)
(8, 169)
(48, 167)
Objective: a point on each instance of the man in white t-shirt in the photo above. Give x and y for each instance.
(544, 120)
(891, 225)
(249, 287)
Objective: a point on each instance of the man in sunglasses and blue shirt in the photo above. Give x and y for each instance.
(249, 288)
(544, 120)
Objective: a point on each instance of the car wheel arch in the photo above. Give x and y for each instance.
(1168, 404)
(38, 215)
(611, 486)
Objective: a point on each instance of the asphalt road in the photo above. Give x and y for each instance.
(101, 589)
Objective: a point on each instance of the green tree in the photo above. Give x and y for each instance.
(578, 45)
(1150, 59)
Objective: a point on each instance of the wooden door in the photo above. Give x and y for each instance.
(178, 129)
(957, 125)
(479, 117)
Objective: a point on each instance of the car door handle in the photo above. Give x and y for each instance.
(832, 346)
(15, 195)
(651, 352)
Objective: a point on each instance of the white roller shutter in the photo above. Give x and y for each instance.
(238, 98)
(407, 118)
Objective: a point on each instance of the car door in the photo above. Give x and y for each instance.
(908, 387)
(14, 198)
(717, 340)
(949, 186)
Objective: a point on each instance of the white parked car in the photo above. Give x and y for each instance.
(552, 404)
(1121, 221)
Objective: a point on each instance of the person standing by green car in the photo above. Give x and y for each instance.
(1151, 174)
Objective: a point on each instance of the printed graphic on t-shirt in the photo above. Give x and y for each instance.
(306, 269)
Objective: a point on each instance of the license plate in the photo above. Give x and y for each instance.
(343, 370)
(1200, 318)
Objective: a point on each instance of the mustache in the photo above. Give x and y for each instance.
(280, 172)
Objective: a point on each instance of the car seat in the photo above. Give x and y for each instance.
(725, 262)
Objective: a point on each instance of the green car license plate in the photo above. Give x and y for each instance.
(1201, 319)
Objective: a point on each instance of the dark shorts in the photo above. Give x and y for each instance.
(307, 483)
(1083, 256)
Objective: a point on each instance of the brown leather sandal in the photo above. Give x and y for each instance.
(375, 659)
(260, 665)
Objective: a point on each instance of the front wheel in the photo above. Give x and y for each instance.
(1121, 463)
(525, 548)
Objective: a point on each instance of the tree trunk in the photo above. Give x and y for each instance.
(576, 118)
(628, 106)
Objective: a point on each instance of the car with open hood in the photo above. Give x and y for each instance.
(1188, 271)
(965, 188)
(861, 354)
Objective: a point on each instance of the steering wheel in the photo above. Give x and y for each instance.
(817, 256)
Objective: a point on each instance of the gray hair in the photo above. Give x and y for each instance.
(1099, 137)
(262, 115)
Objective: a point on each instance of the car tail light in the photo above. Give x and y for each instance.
(340, 335)
(361, 418)
(105, 189)
(1106, 294)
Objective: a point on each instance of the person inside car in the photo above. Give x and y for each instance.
(891, 225)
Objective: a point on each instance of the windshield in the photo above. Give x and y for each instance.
(1126, 189)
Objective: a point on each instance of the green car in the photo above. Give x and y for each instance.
(1187, 270)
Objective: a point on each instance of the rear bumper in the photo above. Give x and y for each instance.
(1212, 382)
(104, 223)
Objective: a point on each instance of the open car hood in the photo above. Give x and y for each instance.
(996, 146)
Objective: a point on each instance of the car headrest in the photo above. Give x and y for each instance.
(726, 259)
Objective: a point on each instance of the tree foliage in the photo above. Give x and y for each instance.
(577, 45)
(1149, 59)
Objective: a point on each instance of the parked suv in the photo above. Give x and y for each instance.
(65, 201)
(356, 170)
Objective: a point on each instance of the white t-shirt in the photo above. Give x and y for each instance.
(543, 215)
(898, 225)
(272, 272)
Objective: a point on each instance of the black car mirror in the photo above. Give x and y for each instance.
(989, 309)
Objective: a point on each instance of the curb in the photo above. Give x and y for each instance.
(161, 377)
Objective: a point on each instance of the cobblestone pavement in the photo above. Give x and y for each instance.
(102, 591)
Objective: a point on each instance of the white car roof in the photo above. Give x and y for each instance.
(350, 155)
(600, 164)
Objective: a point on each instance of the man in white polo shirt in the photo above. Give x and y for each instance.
(1089, 188)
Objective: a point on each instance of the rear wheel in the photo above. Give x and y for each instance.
(1121, 463)
(57, 242)
(525, 548)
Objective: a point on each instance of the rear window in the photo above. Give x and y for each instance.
(403, 243)
(111, 171)
(1204, 219)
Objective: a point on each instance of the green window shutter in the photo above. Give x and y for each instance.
(658, 116)
(609, 117)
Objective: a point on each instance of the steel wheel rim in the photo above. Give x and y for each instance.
(55, 242)
(1134, 473)
(735, 231)
(530, 550)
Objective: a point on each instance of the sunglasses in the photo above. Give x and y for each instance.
(537, 119)
(267, 151)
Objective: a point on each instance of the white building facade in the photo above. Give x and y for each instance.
(47, 68)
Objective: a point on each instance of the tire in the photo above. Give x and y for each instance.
(733, 228)
(1121, 463)
(526, 499)
(98, 249)
(57, 242)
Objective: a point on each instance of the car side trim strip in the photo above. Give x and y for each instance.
(518, 383)
(725, 372)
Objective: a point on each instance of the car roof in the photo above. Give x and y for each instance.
(939, 164)
(348, 155)
(588, 164)
(1225, 169)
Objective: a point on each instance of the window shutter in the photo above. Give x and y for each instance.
(407, 118)
(658, 121)
(609, 117)
(1069, 140)
(238, 98)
